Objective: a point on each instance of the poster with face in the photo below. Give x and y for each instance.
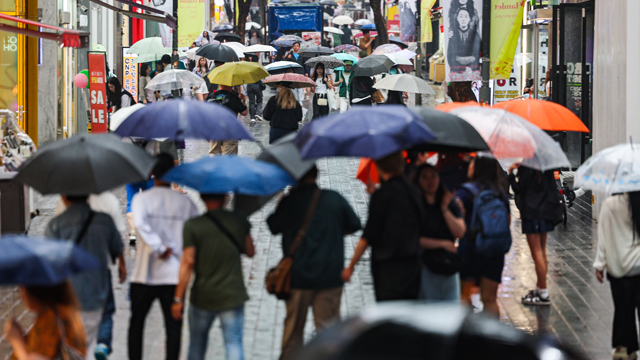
(408, 9)
(462, 28)
(166, 33)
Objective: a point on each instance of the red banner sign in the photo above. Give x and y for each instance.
(98, 93)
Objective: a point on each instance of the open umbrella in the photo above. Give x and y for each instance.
(614, 170)
(251, 25)
(368, 27)
(314, 50)
(174, 80)
(546, 115)
(149, 46)
(239, 48)
(218, 52)
(237, 73)
(31, 261)
(333, 30)
(286, 154)
(259, 48)
(342, 20)
(228, 37)
(397, 41)
(328, 3)
(447, 107)
(225, 27)
(372, 65)
(406, 53)
(85, 164)
(511, 137)
(386, 49)
(227, 173)
(399, 60)
(405, 82)
(346, 48)
(348, 6)
(329, 62)
(362, 22)
(280, 65)
(287, 41)
(453, 134)
(295, 81)
(156, 57)
(367, 172)
(119, 116)
(363, 131)
(345, 57)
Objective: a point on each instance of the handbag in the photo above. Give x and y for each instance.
(66, 352)
(323, 102)
(441, 261)
(278, 279)
(333, 102)
(377, 97)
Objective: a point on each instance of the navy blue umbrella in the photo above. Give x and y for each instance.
(363, 131)
(179, 120)
(224, 174)
(368, 27)
(33, 261)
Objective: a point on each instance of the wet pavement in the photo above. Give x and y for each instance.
(580, 313)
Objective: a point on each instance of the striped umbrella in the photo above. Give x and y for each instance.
(329, 62)
(386, 49)
(405, 82)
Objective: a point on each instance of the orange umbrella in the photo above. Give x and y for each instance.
(446, 107)
(546, 115)
(367, 172)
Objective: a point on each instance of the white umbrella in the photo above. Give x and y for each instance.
(279, 65)
(191, 53)
(259, 48)
(362, 22)
(251, 24)
(405, 82)
(122, 114)
(152, 45)
(613, 170)
(407, 54)
(342, 20)
(237, 47)
(333, 30)
(398, 60)
(174, 80)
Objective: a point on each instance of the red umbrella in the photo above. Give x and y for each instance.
(295, 81)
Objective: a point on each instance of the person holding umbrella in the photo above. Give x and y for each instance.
(323, 82)
(228, 97)
(344, 80)
(362, 91)
(283, 113)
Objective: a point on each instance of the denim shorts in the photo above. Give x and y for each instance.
(536, 226)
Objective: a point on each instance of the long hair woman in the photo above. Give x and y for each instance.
(145, 96)
(203, 67)
(57, 320)
(394, 98)
(283, 113)
(443, 224)
(618, 253)
(117, 96)
(477, 270)
(320, 100)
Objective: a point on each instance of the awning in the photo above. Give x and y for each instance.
(167, 19)
(68, 37)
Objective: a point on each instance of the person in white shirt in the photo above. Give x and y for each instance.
(159, 215)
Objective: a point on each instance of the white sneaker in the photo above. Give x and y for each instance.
(620, 353)
(259, 117)
(253, 120)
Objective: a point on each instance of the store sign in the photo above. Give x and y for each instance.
(129, 73)
(190, 22)
(98, 93)
(506, 21)
(312, 36)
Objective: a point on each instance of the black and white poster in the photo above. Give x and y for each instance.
(166, 33)
(462, 28)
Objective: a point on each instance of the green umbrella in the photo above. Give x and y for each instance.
(149, 46)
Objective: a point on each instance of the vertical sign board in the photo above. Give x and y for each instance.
(190, 22)
(98, 92)
(129, 73)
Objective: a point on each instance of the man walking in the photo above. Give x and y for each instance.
(159, 215)
(213, 244)
(97, 234)
(319, 258)
(344, 80)
(254, 93)
(228, 97)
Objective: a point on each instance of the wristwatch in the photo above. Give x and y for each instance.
(177, 300)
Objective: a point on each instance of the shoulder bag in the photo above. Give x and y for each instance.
(278, 279)
(66, 352)
(225, 231)
(84, 228)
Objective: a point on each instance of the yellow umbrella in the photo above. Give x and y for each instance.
(237, 73)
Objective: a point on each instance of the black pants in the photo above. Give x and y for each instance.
(255, 100)
(276, 133)
(396, 280)
(317, 109)
(142, 297)
(626, 301)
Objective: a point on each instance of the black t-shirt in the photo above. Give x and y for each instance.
(230, 99)
(434, 224)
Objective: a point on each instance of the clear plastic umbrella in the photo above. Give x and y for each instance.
(152, 45)
(174, 80)
(613, 170)
(398, 60)
(511, 137)
(386, 49)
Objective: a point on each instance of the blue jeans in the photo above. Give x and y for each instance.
(105, 331)
(437, 288)
(133, 189)
(200, 322)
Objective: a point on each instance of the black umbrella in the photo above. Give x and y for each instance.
(229, 37)
(218, 52)
(373, 65)
(397, 41)
(453, 134)
(313, 51)
(85, 164)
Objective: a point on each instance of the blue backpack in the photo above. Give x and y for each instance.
(489, 222)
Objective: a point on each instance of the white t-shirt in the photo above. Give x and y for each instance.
(321, 87)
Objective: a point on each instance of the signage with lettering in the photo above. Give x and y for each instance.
(98, 92)
(129, 73)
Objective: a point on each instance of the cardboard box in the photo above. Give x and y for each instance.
(439, 73)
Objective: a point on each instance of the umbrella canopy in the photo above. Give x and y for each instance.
(333, 30)
(386, 49)
(406, 53)
(252, 25)
(613, 170)
(174, 80)
(279, 65)
(361, 34)
(368, 27)
(259, 48)
(287, 41)
(328, 61)
(511, 137)
(342, 20)
(314, 50)
(363, 131)
(191, 53)
(225, 27)
(405, 82)
(156, 57)
(373, 65)
(237, 47)
(397, 41)
(346, 48)
(447, 107)
(453, 134)
(227, 173)
(328, 3)
(119, 116)
(362, 22)
(285, 154)
(179, 120)
(295, 81)
(368, 172)
(85, 164)
(345, 57)
(149, 46)
(546, 115)
(229, 37)
(398, 60)
(31, 261)
(348, 6)
(238, 73)
(218, 52)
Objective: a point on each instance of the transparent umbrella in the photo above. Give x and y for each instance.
(174, 80)
(149, 46)
(613, 170)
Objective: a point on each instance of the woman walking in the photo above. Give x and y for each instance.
(394, 98)
(538, 200)
(203, 67)
(443, 224)
(118, 97)
(619, 254)
(146, 96)
(283, 113)
(320, 100)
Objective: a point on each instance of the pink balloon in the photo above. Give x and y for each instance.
(81, 80)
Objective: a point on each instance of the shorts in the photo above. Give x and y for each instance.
(536, 226)
(475, 267)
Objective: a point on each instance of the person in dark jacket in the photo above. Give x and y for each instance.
(394, 98)
(283, 113)
(537, 198)
(346, 37)
(361, 90)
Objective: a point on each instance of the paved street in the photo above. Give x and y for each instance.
(580, 314)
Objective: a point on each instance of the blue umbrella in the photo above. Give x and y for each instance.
(33, 261)
(363, 131)
(179, 120)
(224, 174)
(368, 27)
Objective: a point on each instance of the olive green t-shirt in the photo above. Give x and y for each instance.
(218, 283)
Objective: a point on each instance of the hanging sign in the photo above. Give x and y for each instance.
(129, 73)
(462, 40)
(98, 92)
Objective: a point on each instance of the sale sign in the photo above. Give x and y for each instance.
(98, 93)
